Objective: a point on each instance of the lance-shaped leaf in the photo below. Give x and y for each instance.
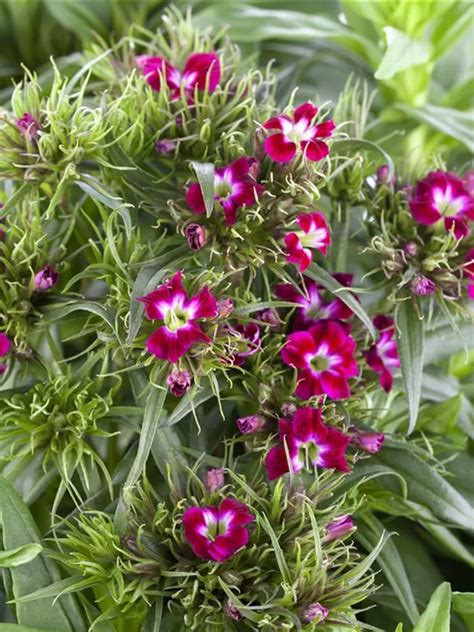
(20, 555)
(205, 175)
(436, 617)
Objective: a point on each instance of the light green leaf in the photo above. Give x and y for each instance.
(410, 338)
(315, 272)
(463, 604)
(205, 175)
(14, 627)
(154, 618)
(19, 529)
(402, 52)
(21, 555)
(78, 17)
(436, 617)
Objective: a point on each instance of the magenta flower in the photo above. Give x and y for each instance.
(312, 307)
(249, 334)
(251, 424)
(315, 613)
(178, 382)
(201, 71)
(214, 479)
(306, 439)
(443, 196)
(298, 132)
(217, 533)
(28, 125)
(339, 528)
(314, 234)
(5, 346)
(324, 358)
(180, 330)
(45, 279)
(369, 441)
(234, 187)
(382, 357)
(468, 269)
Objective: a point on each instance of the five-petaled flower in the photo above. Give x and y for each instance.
(180, 314)
(298, 132)
(234, 187)
(442, 196)
(324, 358)
(306, 439)
(311, 304)
(4, 349)
(216, 533)
(382, 357)
(314, 235)
(201, 71)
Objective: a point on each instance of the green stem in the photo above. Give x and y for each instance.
(345, 223)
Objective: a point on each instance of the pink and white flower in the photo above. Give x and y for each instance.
(324, 358)
(217, 533)
(234, 187)
(201, 71)
(382, 357)
(443, 197)
(306, 439)
(5, 346)
(312, 307)
(314, 235)
(179, 314)
(299, 132)
(468, 269)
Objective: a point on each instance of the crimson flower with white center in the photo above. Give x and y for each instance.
(324, 358)
(298, 132)
(304, 440)
(314, 235)
(234, 187)
(443, 198)
(382, 357)
(201, 71)
(217, 533)
(180, 330)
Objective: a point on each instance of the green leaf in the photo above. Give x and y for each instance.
(151, 417)
(21, 555)
(410, 338)
(440, 417)
(14, 627)
(436, 617)
(402, 52)
(320, 275)
(188, 403)
(19, 529)
(390, 562)
(463, 604)
(449, 121)
(205, 175)
(78, 17)
(154, 618)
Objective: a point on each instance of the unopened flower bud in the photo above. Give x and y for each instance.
(269, 316)
(339, 528)
(232, 611)
(288, 409)
(422, 286)
(251, 424)
(254, 168)
(45, 279)
(225, 307)
(178, 382)
(129, 542)
(369, 441)
(28, 125)
(164, 146)
(315, 613)
(410, 249)
(214, 479)
(196, 236)
(382, 174)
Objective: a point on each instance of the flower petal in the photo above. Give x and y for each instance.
(314, 149)
(279, 148)
(200, 69)
(195, 199)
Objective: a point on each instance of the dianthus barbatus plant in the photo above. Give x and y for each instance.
(185, 338)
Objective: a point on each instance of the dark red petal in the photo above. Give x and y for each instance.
(324, 129)
(424, 211)
(335, 386)
(276, 122)
(238, 169)
(159, 300)
(236, 512)
(224, 546)
(172, 345)
(305, 111)
(154, 68)
(4, 344)
(203, 304)
(309, 385)
(458, 226)
(296, 349)
(305, 423)
(314, 149)
(202, 68)
(279, 148)
(195, 200)
(276, 463)
(386, 380)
